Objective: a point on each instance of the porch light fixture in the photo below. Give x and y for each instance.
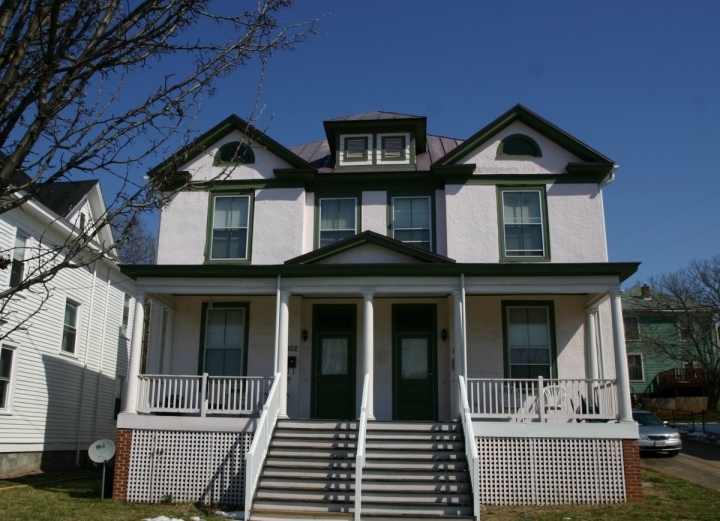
(443, 334)
(305, 335)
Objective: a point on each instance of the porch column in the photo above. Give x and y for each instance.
(458, 334)
(131, 389)
(167, 347)
(592, 360)
(368, 357)
(283, 351)
(621, 368)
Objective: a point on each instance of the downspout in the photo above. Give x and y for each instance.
(277, 327)
(85, 364)
(102, 351)
(464, 325)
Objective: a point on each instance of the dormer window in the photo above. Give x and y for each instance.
(393, 148)
(356, 149)
(518, 146)
(235, 153)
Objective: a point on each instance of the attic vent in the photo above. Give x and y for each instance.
(518, 146)
(356, 149)
(393, 148)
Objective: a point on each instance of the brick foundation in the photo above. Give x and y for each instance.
(122, 464)
(633, 479)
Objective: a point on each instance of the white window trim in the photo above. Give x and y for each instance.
(124, 328)
(542, 225)
(320, 230)
(212, 228)
(341, 150)
(642, 366)
(430, 219)
(8, 410)
(378, 149)
(549, 339)
(78, 321)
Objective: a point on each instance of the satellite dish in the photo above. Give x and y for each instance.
(101, 451)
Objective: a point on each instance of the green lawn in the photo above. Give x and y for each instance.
(666, 498)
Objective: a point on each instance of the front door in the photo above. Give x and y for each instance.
(414, 356)
(334, 362)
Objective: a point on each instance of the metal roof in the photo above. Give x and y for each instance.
(375, 116)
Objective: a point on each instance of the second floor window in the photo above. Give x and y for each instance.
(69, 336)
(411, 221)
(17, 270)
(632, 327)
(523, 229)
(338, 220)
(231, 215)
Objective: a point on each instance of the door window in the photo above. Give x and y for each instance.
(334, 356)
(414, 356)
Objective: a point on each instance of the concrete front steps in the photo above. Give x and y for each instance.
(414, 471)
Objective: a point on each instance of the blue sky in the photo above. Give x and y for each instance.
(638, 81)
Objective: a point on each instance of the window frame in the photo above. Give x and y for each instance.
(366, 156)
(541, 189)
(501, 154)
(408, 157)
(637, 319)
(410, 195)
(550, 306)
(212, 196)
(77, 305)
(8, 409)
(17, 261)
(335, 195)
(125, 320)
(238, 157)
(203, 331)
(642, 367)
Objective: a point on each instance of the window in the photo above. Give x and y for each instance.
(7, 359)
(235, 153)
(230, 218)
(528, 339)
(635, 368)
(224, 339)
(393, 148)
(632, 328)
(118, 395)
(338, 220)
(125, 316)
(70, 327)
(81, 223)
(685, 327)
(18, 265)
(411, 221)
(518, 146)
(356, 149)
(523, 232)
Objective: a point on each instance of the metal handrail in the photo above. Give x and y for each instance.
(360, 453)
(255, 457)
(471, 452)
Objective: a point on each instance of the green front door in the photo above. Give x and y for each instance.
(334, 362)
(414, 357)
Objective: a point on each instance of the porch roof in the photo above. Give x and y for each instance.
(621, 270)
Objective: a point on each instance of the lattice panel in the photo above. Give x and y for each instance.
(205, 467)
(547, 471)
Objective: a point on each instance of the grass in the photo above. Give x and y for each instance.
(666, 498)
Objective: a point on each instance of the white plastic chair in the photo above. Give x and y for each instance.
(555, 397)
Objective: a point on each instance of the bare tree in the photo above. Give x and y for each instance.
(77, 99)
(685, 306)
(136, 244)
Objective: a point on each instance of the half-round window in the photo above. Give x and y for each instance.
(235, 152)
(518, 145)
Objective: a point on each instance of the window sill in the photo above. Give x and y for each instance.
(72, 356)
(6, 412)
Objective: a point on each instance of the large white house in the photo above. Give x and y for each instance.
(62, 371)
(453, 296)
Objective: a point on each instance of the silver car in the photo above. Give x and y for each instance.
(655, 435)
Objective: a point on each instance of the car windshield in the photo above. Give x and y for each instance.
(646, 419)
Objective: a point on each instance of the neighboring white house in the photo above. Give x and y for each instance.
(62, 372)
(407, 259)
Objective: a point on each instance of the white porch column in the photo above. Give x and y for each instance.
(368, 356)
(458, 340)
(167, 347)
(131, 389)
(591, 337)
(283, 351)
(621, 368)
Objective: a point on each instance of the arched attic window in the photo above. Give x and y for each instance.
(235, 153)
(518, 146)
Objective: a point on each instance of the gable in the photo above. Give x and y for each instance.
(369, 254)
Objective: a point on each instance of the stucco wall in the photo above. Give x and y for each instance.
(472, 228)
(374, 212)
(278, 225)
(575, 219)
(182, 229)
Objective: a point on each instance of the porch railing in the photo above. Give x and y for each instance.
(255, 457)
(543, 399)
(183, 394)
(360, 453)
(471, 452)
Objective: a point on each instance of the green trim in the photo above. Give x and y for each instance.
(368, 237)
(501, 154)
(550, 304)
(242, 152)
(501, 225)
(364, 159)
(335, 195)
(535, 122)
(528, 179)
(383, 157)
(208, 230)
(391, 194)
(203, 320)
(417, 126)
(621, 270)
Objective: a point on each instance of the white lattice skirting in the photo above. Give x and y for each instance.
(205, 467)
(549, 471)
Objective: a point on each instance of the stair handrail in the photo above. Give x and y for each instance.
(471, 453)
(360, 453)
(255, 456)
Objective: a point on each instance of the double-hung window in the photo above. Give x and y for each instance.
(17, 270)
(528, 341)
(523, 229)
(7, 359)
(224, 339)
(230, 227)
(411, 221)
(70, 326)
(635, 368)
(632, 327)
(338, 220)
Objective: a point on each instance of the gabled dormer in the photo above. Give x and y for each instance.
(376, 140)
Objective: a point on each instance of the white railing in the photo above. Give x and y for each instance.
(471, 452)
(543, 399)
(182, 394)
(360, 451)
(255, 457)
